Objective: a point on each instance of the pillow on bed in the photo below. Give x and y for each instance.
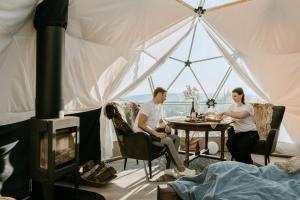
(292, 165)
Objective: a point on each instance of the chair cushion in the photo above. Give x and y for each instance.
(262, 118)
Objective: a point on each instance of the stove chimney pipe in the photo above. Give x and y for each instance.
(50, 22)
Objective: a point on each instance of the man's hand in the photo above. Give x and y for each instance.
(162, 124)
(161, 135)
(168, 130)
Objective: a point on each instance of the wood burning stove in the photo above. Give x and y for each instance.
(54, 146)
(54, 138)
(54, 151)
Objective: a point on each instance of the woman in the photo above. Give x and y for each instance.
(243, 136)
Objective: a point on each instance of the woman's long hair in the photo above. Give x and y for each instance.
(240, 91)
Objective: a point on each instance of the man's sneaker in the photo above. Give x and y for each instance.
(169, 172)
(172, 173)
(187, 172)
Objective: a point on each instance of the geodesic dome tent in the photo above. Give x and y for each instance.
(111, 46)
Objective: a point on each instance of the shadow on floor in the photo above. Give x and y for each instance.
(64, 193)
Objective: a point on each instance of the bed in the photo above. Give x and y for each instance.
(233, 180)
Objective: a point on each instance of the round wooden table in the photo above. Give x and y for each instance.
(205, 126)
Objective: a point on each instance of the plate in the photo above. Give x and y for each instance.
(213, 120)
(193, 120)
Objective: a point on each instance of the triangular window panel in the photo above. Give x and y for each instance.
(233, 82)
(209, 3)
(182, 51)
(214, 3)
(210, 74)
(166, 73)
(185, 79)
(203, 46)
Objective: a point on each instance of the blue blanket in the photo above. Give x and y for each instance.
(237, 181)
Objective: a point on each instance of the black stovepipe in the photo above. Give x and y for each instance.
(50, 22)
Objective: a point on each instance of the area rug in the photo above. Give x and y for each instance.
(66, 193)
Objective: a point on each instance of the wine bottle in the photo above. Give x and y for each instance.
(193, 108)
(197, 107)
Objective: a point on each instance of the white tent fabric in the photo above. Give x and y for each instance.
(100, 34)
(105, 40)
(112, 45)
(265, 35)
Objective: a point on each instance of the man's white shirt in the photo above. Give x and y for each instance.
(154, 113)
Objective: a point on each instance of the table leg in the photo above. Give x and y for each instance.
(187, 148)
(206, 139)
(176, 132)
(222, 144)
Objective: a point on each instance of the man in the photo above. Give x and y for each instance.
(150, 120)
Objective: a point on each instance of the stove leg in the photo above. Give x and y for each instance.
(76, 184)
(48, 191)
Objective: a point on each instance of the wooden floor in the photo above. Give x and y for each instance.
(132, 184)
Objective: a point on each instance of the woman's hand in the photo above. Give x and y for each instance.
(219, 117)
(224, 114)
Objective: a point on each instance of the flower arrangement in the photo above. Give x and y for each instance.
(190, 92)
